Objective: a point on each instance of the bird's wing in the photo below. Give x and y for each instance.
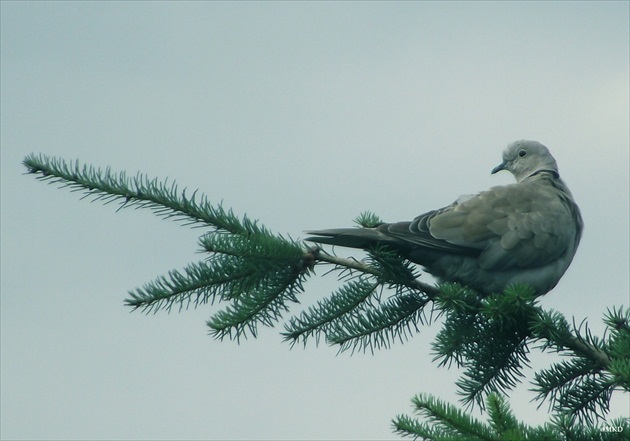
(418, 234)
(522, 225)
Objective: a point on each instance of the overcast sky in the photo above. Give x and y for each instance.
(302, 115)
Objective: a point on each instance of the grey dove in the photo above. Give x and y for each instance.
(527, 232)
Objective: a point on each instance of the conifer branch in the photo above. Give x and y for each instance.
(487, 336)
(447, 423)
(379, 326)
(320, 318)
(258, 275)
(203, 282)
(553, 330)
(352, 264)
(166, 200)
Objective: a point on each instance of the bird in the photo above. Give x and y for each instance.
(523, 233)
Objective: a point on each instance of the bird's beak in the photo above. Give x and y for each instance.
(499, 167)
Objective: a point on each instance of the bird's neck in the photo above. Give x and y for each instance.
(552, 172)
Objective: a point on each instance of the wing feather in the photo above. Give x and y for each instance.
(514, 226)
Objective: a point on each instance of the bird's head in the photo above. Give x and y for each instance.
(525, 158)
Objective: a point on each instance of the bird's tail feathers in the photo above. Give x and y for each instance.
(348, 237)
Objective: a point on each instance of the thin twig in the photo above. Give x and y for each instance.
(579, 346)
(316, 254)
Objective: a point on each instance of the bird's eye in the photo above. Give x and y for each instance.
(522, 153)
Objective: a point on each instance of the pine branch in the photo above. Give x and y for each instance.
(320, 318)
(618, 323)
(565, 428)
(490, 336)
(203, 282)
(553, 330)
(444, 422)
(354, 317)
(262, 305)
(341, 263)
(165, 199)
(255, 270)
(502, 419)
(406, 426)
(259, 274)
(582, 387)
(487, 336)
(378, 326)
(262, 247)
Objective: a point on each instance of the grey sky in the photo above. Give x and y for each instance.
(302, 115)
